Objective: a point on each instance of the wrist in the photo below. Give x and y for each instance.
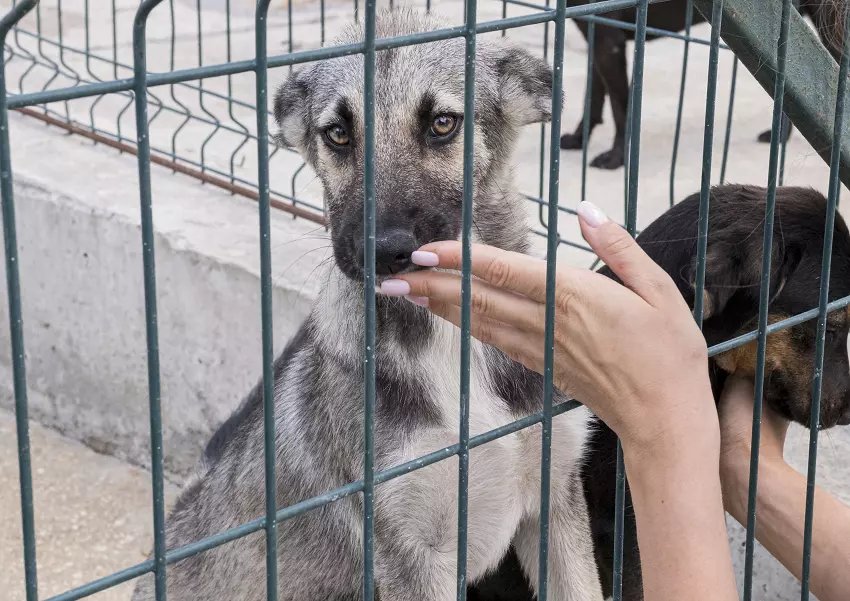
(690, 428)
(681, 453)
(735, 475)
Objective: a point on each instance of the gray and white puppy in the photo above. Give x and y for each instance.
(318, 378)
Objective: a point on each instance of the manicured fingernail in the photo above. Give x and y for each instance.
(394, 288)
(422, 301)
(424, 258)
(592, 215)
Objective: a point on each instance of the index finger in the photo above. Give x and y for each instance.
(504, 269)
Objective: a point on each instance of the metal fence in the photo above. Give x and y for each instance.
(204, 128)
(132, 85)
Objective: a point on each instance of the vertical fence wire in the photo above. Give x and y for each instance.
(369, 301)
(764, 292)
(588, 95)
(261, 77)
(633, 172)
(689, 17)
(823, 301)
(201, 94)
(470, 17)
(786, 128)
(707, 154)
(16, 324)
(149, 264)
(541, 180)
(245, 132)
(552, 241)
(728, 135)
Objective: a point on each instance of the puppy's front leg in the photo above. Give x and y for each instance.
(572, 567)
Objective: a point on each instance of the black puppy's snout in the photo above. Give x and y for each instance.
(393, 248)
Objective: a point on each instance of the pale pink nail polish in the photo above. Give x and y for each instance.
(395, 288)
(423, 258)
(422, 301)
(592, 215)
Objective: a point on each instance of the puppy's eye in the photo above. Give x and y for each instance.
(444, 126)
(337, 135)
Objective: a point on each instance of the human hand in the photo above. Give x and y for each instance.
(736, 426)
(632, 353)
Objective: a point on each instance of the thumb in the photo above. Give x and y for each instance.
(619, 251)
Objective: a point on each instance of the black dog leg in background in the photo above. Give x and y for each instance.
(610, 56)
(575, 141)
(785, 133)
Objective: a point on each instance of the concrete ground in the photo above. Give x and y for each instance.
(93, 511)
(92, 514)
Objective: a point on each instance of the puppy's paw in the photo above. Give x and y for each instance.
(764, 137)
(610, 159)
(572, 141)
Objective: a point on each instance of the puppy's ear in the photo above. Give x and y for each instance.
(291, 110)
(525, 85)
(735, 269)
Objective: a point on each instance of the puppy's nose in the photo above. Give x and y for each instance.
(392, 251)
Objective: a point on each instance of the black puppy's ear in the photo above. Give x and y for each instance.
(735, 269)
(291, 110)
(525, 85)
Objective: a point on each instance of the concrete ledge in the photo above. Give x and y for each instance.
(82, 289)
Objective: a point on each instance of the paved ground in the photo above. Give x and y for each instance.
(92, 514)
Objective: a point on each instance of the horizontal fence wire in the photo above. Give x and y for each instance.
(135, 91)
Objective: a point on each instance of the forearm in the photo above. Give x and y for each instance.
(680, 524)
(780, 520)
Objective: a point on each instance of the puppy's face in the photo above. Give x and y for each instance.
(732, 288)
(419, 122)
(789, 366)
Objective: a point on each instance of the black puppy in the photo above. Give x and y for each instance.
(609, 64)
(733, 270)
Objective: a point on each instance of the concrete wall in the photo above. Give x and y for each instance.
(83, 302)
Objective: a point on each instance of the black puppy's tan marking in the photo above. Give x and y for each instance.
(733, 273)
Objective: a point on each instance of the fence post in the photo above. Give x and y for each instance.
(152, 333)
(261, 77)
(16, 324)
